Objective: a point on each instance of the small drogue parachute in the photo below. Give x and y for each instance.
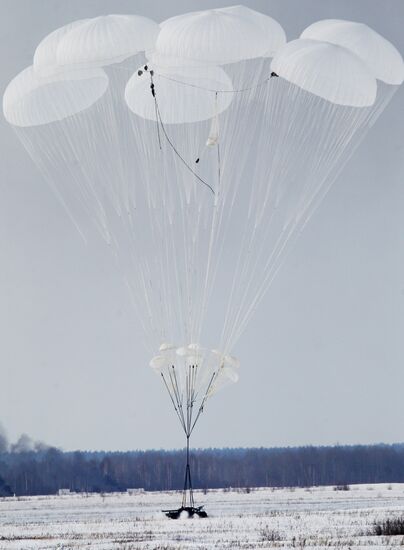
(191, 375)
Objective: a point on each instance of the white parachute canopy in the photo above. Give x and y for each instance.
(381, 57)
(328, 71)
(198, 177)
(185, 94)
(274, 33)
(45, 56)
(220, 36)
(96, 42)
(31, 100)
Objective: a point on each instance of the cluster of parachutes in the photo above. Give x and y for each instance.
(334, 59)
(199, 148)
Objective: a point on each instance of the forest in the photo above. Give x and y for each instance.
(44, 470)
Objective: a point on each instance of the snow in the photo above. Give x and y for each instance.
(262, 518)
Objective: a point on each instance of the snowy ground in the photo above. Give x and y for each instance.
(264, 518)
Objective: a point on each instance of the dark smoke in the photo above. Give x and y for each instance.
(3, 440)
(24, 444)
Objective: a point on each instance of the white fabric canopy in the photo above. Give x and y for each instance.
(45, 56)
(219, 36)
(106, 39)
(30, 100)
(275, 35)
(382, 58)
(183, 95)
(326, 70)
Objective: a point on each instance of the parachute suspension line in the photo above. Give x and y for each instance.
(157, 266)
(247, 235)
(191, 378)
(173, 402)
(187, 278)
(248, 264)
(178, 396)
(219, 218)
(275, 249)
(237, 91)
(339, 128)
(179, 155)
(27, 144)
(153, 92)
(187, 423)
(259, 204)
(213, 140)
(188, 489)
(200, 410)
(189, 388)
(219, 169)
(183, 388)
(169, 141)
(370, 121)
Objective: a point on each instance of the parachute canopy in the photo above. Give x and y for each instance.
(185, 94)
(326, 70)
(274, 33)
(31, 100)
(97, 42)
(220, 36)
(383, 60)
(45, 56)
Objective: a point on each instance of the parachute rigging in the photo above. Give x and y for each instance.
(201, 168)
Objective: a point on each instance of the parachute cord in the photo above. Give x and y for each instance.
(219, 169)
(179, 155)
(160, 123)
(176, 408)
(239, 91)
(153, 92)
(202, 405)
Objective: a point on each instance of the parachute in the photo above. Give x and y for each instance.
(199, 149)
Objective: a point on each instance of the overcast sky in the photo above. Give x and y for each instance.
(321, 362)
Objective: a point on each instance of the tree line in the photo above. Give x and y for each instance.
(42, 470)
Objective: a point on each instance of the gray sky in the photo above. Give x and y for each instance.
(322, 360)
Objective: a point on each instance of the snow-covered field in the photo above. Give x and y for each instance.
(263, 518)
